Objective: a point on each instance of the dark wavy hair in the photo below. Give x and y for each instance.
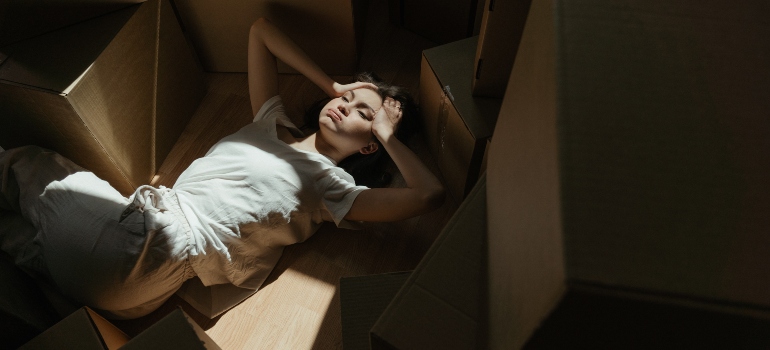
(369, 169)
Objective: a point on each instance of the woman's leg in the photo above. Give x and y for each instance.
(90, 252)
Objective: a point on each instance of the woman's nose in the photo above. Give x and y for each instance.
(343, 109)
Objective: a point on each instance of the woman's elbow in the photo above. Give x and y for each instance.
(434, 198)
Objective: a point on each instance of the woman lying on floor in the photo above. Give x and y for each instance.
(230, 214)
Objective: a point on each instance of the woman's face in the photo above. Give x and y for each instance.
(346, 121)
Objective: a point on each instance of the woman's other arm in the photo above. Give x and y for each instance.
(266, 43)
(423, 191)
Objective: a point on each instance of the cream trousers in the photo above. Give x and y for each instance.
(123, 256)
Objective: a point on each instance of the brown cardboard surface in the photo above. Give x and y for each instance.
(112, 93)
(499, 38)
(362, 301)
(442, 304)
(179, 80)
(213, 300)
(53, 61)
(220, 31)
(24, 19)
(83, 329)
(664, 147)
(457, 125)
(633, 161)
(32, 117)
(114, 98)
(112, 337)
(175, 331)
(526, 256)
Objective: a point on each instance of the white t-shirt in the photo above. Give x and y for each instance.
(253, 194)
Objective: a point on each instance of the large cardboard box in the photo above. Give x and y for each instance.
(634, 165)
(83, 329)
(443, 303)
(327, 30)
(362, 301)
(501, 27)
(457, 125)
(112, 93)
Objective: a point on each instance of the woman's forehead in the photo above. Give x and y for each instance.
(368, 96)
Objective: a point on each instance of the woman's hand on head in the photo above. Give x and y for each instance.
(386, 119)
(340, 89)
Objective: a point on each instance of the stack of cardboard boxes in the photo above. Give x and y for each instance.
(461, 88)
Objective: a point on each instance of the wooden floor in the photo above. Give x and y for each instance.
(299, 307)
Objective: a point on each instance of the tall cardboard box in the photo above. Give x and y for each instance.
(634, 167)
(457, 125)
(112, 93)
(331, 32)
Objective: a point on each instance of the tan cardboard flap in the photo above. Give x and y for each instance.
(53, 61)
(113, 337)
(115, 97)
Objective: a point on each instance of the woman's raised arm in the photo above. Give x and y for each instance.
(423, 191)
(266, 43)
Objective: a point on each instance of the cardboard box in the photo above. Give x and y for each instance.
(457, 125)
(326, 30)
(501, 28)
(443, 303)
(112, 93)
(634, 165)
(175, 331)
(362, 301)
(83, 329)
(442, 21)
(24, 19)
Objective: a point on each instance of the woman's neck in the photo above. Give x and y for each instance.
(316, 143)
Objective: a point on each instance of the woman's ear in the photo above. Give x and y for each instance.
(370, 148)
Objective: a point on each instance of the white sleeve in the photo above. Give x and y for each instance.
(339, 194)
(273, 108)
(270, 107)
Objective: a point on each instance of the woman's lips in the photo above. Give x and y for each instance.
(334, 115)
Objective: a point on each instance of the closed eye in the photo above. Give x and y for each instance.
(363, 115)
